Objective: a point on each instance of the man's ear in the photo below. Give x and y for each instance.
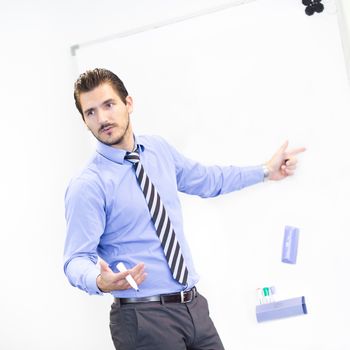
(129, 104)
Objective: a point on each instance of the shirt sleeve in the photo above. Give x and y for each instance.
(210, 181)
(86, 219)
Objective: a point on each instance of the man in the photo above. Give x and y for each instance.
(124, 207)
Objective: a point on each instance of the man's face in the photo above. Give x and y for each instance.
(107, 116)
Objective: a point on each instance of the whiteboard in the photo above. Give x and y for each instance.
(230, 88)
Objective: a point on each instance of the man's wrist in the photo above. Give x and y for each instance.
(266, 172)
(99, 284)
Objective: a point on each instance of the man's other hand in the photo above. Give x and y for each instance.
(108, 280)
(283, 163)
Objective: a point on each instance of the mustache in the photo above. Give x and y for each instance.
(105, 126)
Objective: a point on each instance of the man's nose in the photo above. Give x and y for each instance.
(102, 117)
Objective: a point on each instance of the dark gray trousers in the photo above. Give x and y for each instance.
(168, 326)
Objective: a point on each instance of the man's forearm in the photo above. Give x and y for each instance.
(82, 273)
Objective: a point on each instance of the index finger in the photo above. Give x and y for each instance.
(295, 151)
(137, 268)
(122, 275)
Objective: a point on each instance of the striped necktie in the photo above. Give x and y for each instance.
(161, 221)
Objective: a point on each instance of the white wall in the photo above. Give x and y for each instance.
(344, 25)
(44, 143)
(241, 81)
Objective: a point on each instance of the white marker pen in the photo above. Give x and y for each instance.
(121, 267)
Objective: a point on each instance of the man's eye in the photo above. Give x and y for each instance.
(109, 105)
(90, 113)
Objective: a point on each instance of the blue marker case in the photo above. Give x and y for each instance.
(281, 309)
(290, 245)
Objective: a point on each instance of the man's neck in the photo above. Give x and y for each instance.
(128, 141)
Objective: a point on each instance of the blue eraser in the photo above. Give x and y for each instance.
(290, 245)
(281, 309)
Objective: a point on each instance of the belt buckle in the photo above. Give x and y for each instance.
(182, 295)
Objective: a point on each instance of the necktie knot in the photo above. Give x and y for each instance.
(132, 157)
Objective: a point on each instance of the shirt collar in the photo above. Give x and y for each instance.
(115, 154)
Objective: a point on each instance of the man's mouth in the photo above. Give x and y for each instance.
(107, 128)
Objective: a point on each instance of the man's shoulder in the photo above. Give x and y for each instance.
(151, 140)
(87, 177)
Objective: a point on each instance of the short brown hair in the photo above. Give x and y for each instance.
(91, 79)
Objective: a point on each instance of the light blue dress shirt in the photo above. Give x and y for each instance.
(107, 214)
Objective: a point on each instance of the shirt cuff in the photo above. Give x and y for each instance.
(252, 175)
(91, 284)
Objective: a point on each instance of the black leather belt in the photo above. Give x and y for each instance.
(180, 297)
